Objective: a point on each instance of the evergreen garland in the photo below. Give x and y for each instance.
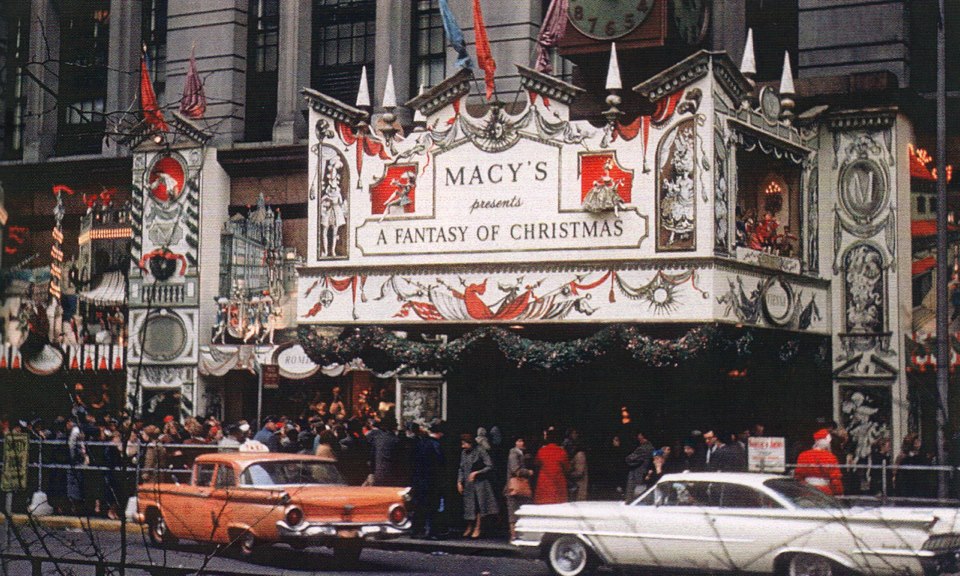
(382, 350)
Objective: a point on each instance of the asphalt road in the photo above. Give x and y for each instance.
(276, 560)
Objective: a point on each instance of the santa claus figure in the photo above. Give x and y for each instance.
(818, 466)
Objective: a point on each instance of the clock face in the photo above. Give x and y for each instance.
(608, 19)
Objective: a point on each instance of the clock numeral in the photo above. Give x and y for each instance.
(611, 28)
(593, 25)
(578, 13)
(628, 20)
(643, 6)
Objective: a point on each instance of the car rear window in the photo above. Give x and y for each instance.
(291, 472)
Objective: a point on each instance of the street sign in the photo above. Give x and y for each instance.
(271, 376)
(15, 448)
(767, 454)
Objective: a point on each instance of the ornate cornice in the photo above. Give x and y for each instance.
(443, 93)
(869, 119)
(730, 78)
(678, 76)
(333, 108)
(548, 86)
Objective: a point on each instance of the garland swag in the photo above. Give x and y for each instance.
(383, 350)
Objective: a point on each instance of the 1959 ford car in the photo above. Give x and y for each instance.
(252, 498)
(754, 523)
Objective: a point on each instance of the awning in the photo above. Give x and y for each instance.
(111, 291)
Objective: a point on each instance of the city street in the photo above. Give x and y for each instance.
(275, 560)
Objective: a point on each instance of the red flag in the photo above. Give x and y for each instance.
(484, 57)
(193, 103)
(148, 99)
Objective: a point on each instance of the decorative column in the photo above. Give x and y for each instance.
(293, 73)
(40, 129)
(123, 64)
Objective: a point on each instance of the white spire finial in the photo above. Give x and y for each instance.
(417, 114)
(613, 72)
(786, 80)
(748, 65)
(389, 92)
(363, 94)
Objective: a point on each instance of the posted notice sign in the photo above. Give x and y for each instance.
(767, 454)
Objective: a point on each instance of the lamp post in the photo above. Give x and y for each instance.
(943, 334)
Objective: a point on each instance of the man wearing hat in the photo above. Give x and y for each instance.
(818, 466)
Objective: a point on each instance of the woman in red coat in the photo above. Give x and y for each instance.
(553, 465)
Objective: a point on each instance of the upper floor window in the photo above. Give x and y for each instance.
(429, 54)
(263, 42)
(84, 43)
(343, 42)
(154, 30)
(775, 27)
(14, 49)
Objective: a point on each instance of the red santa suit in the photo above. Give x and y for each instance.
(818, 466)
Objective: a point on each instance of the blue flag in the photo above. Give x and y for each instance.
(455, 35)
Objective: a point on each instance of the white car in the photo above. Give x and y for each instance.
(740, 522)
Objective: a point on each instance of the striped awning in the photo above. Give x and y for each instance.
(110, 291)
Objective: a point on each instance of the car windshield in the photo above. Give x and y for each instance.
(802, 495)
(291, 472)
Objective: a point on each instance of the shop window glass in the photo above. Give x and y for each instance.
(769, 211)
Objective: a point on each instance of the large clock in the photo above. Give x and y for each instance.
(608, 19)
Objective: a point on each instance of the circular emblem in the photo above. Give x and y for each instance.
(778, 301)
(164, 337)
(608, 19)
(770, 104)
(863, 189)
(166, 179)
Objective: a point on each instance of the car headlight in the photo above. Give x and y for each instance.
(397, 514)
(294, 516)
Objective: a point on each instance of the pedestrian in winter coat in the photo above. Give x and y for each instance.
(517, 467)
(384, 452)
(426, 470)
(473, 482)
(552, 465)
(78, 457)
(578, 476)
(912, 482)
(638, 464)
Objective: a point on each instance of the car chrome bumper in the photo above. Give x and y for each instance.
(318, 532)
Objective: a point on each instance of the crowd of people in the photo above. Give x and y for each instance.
(476, 484)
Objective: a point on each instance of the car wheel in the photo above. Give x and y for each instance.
(247, 544)
(569, 556)
(347, 553)
(811, 565)
(158, 531)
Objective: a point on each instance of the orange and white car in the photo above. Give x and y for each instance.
(249, 499)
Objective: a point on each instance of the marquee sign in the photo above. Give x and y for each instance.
(493, 202)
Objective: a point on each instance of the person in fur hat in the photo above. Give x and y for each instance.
(818, 466)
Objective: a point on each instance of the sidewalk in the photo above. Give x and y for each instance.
(466, 547)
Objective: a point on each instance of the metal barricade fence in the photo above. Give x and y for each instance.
(48, 456)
